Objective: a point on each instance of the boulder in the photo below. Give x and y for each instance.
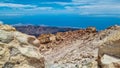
(18, 50)
(5, 36)
(46, 38)
(91, 29)
(110, 62)
(111, 48)
(109, 52)
(7, 28)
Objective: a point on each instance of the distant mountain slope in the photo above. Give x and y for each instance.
(37, 30)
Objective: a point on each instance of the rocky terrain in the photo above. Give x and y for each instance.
(37, 30)
(84, 48)
(18, 50)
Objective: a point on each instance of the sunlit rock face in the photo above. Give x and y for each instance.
(109, 51)
(108, 61)
(85, 48)
(18, 50)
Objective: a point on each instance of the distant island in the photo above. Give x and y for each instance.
(37, 30)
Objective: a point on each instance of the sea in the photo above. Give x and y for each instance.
(63, 20)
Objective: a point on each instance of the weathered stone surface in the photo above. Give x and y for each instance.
(73, 49)
(4, 54)
(18, 50)
(46, 38)
(6, 37)
(91, 29)
(110, 62)
(80, 49)
(7, 28)
(110, 47)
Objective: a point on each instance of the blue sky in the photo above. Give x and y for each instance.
(67, 11)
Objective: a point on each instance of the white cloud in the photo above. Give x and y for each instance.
(101, 10)
(90, 7)
(12, 5)
(62, 3)
(29, 11)
(95, 1)
(82, 7)
(96, 8)
(85, 1)
(74, 2)
(21, 24)
(40, 8)
(11, 13)
(20, 9)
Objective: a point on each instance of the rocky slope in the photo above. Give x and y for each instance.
(85, 48)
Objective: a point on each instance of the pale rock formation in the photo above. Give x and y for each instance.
(7, 28)
(46, 38)
(110, 47)
(85, 49)
(110, 62)
(18, 50)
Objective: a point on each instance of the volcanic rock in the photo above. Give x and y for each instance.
(109, 51)
(84, 48)
(18, 50)
(110, 62)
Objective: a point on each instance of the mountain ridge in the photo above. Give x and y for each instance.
(37, 30)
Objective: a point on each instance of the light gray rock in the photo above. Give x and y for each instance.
(110, 62)
(18, 50)
(5, 36)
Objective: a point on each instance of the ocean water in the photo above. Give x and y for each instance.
(63, 20)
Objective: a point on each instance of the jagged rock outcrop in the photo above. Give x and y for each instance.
(71, 50)
(49, 41)
(108, 61)
(18, 50)
(46, 38)
(109, 51)
(85, 48)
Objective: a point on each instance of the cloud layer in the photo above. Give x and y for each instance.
(81, 7)
(12, 5)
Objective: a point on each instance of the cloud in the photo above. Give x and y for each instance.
(12, 5)
(11, 14)
(28, 11)
(81, 7)
(21, 24)
(95, 9)
(90, 7)
(21, 9)
(84, 1)
(73, 2)
(40, 8)
(61, 3)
